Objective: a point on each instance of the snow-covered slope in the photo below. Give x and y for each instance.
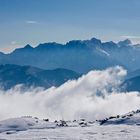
(95, 132)
(28, 122)
(131, 118)
(24, 123)
(32, 128)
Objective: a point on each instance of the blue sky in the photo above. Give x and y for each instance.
(37, 21)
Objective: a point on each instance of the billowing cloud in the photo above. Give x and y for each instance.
(93, 96)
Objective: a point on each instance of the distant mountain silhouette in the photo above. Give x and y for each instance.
(12, 75)
(132, 84)
(80, 56)
(125, 42)
(133, 74)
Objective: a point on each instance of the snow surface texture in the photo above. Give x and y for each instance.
(28, 128)
(121, 132)
(93, 96)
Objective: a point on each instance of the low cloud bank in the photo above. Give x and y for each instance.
(93, 96)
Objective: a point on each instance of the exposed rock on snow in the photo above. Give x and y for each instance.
(13, 125)
(28, 122)
(24, 123)
(131, 118)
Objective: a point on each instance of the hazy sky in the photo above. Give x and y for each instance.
(38, 21)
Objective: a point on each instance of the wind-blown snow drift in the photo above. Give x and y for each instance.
(93, 96)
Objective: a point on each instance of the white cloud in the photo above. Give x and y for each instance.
(74, 99)
(31, 22)
(131, 37)
(134, 39)
(14, 42)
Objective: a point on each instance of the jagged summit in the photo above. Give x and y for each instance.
(28, 46)
(125, 42)
(25, 48)
(95, 40)
(74, 43)
(48, 45)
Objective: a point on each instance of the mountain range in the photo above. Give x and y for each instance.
(52, 64)
(77, 55)
(29, 76)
